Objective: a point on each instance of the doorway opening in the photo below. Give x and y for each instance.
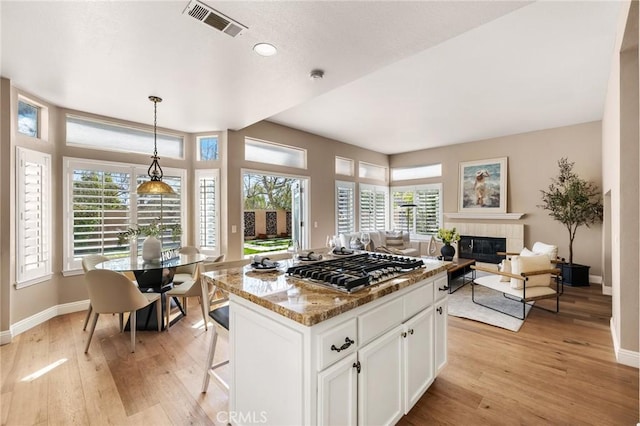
(274, 209)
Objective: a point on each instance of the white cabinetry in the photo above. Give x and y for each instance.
(418, 344)
(380, 381)
(440, 314)
(367, 366)
(337, 393)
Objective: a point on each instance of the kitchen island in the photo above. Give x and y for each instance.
(303, 354)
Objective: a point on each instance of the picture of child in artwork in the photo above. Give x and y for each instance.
(481, 186)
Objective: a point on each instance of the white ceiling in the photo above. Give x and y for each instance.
(400, 76)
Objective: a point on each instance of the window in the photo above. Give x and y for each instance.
(103, 203)
(344, 166)
(207, 148)
(207, 202)
(423, 219)
(373, 207)
(372, 171)
(113, 137)
(33, 236)
(345, 209)
(272, 153)
(28, 118)
(419, 172)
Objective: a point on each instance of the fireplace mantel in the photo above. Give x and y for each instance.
(493, 216)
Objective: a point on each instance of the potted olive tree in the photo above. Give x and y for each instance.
(573, 202)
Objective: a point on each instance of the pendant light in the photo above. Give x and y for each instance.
(155, 185)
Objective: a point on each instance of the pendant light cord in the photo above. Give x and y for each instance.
(157, 173)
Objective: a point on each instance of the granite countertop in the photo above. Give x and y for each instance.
(307, 303)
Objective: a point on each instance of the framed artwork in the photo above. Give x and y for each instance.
(483, 186)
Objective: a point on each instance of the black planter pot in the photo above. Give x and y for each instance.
(575, 275)
(448, 251)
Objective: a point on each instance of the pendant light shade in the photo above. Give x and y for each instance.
(155, 185)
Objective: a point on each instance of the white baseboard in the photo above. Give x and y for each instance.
(623, 356)
(607, 291)
(5, 337)
(596, 279)
(40, 317)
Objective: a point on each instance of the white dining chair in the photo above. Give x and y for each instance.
(89, 263)
(112, 292)
(193, 287)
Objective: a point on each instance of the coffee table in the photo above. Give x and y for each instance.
(459, 267)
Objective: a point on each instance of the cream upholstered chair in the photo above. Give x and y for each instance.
(192, 287)
(187, 272)
(220, 317)
(112, 292)
(89, 263)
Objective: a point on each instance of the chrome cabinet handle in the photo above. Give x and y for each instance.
(347, 342)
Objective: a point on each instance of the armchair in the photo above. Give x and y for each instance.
(524, 278)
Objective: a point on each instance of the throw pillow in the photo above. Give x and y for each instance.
(394, 240)
(548, 249)
(529, 264)
(526, 252)
(505, 266)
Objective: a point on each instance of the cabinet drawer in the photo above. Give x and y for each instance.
(418, 299)
(337, 338)
(441, 288)
(375, 322)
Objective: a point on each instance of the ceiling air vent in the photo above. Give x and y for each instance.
(213, 18)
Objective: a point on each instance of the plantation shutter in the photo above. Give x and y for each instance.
(101, 210)
(207, 232)
(373, 208)
(399, 218)
(381, 209)
(34, 216)
(426, 217)
(345, 211)
(428, 211)
(367, 210)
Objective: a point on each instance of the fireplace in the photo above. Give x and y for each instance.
(482, 249)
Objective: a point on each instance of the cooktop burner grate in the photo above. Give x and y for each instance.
(355, 272)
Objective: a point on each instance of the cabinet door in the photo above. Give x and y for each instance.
(337, 393)
(418, 356)
(380, 390)
(440, 315)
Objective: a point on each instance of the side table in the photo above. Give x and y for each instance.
(459, 267)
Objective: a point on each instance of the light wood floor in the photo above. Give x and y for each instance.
(558, 369)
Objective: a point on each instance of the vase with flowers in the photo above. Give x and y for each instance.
(448, 236)
(151, 246)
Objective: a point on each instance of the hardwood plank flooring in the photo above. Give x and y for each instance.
(559, 369)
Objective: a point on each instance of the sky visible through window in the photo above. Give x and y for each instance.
(27, 119)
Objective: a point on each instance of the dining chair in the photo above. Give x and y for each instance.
(89, 263)
(186, 272)
(193, 287)
(112, 292)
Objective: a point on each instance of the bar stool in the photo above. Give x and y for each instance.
(220, 317)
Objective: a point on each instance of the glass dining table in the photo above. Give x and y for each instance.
(152, 277)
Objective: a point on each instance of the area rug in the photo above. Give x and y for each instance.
(461, 305)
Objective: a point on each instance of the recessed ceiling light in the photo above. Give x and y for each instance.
(265, 49)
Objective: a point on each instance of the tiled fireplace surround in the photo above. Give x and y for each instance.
(513, 232)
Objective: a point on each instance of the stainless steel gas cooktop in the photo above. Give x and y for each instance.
(352, 273)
